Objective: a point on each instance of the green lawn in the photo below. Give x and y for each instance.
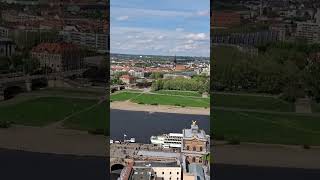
(266, 128)
(161, 99)
(252, 102)
(95, 118)
(74, 92)
(180, 93)
(172, 100)
(123, 96)
(42, 111)
(315, 107)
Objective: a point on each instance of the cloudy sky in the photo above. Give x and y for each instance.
(160, 27)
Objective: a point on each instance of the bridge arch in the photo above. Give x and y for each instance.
(11, 91)
(117, 166)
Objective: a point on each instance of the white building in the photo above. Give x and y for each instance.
(308, 31)
(4, 32)
(7, 47)
(97, 41)
(157, 170)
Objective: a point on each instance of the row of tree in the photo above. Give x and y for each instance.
(196, 83)
(281, 68)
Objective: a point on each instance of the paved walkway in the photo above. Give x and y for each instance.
(130, 106)
(51, 140)
(267, 155)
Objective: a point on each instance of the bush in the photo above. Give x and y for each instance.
(154, 104)
(96, 131)
(233, 141)
(140, 103)
(305, 146)
(5, 124)
(177, 104)
(219, 137)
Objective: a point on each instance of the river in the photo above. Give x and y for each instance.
(142, 125)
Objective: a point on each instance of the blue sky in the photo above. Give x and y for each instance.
(160, 27)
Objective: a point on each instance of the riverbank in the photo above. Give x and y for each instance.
(130, 106)
(52, 140)
(267, 155)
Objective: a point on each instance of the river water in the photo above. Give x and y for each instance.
(142, 125)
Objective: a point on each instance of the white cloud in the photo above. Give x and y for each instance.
(135, 12)
(197, 36)
(203, 13)
(156, 41)
(179, 29)
(122, 18)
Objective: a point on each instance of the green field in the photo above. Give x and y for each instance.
(252, 102)
(161, 99)
(266, 128)
(42, 111)
(179, 93)
(123, 96)
(95, 118)
(315, 107)
(172, 100)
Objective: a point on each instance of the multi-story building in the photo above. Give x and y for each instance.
(97, 41)
(18, 17)
(127, 79)
(195, 144)
(58, 56)
(308, 31)
(7, 47)
(4, 32)
(225, 18)
(247, 39)
(157, 170)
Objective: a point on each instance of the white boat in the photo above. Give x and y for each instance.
(131, 140)
(171, 140)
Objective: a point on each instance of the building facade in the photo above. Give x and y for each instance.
(58, 56)
(7, 47)
(96, 41)
(195, 144)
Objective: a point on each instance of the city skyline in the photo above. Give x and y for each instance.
(146, 27)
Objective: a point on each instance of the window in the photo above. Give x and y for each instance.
(194, 148)
(188, 148)
(193, 159)
(162, 172)
(170, 173)
(201, 148)
(177, 172)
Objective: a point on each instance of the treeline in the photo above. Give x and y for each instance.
(196, 83)
(288, 69)
(19, 63)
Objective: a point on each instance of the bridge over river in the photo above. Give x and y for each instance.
(18, 82)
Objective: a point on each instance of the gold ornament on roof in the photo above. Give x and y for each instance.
(194, 123)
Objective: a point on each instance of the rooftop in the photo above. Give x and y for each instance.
(54, 48)
(155, 164)
(194, 131)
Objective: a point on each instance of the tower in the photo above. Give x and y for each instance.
(261, 7)
(175, 60)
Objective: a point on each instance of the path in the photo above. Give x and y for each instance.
(130, 106)
(57, 141)
(270, 155)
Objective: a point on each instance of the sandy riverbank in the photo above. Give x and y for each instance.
(267, 155)
(130, 106)
(56, 141)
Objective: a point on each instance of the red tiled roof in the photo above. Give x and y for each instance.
(54, 48)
